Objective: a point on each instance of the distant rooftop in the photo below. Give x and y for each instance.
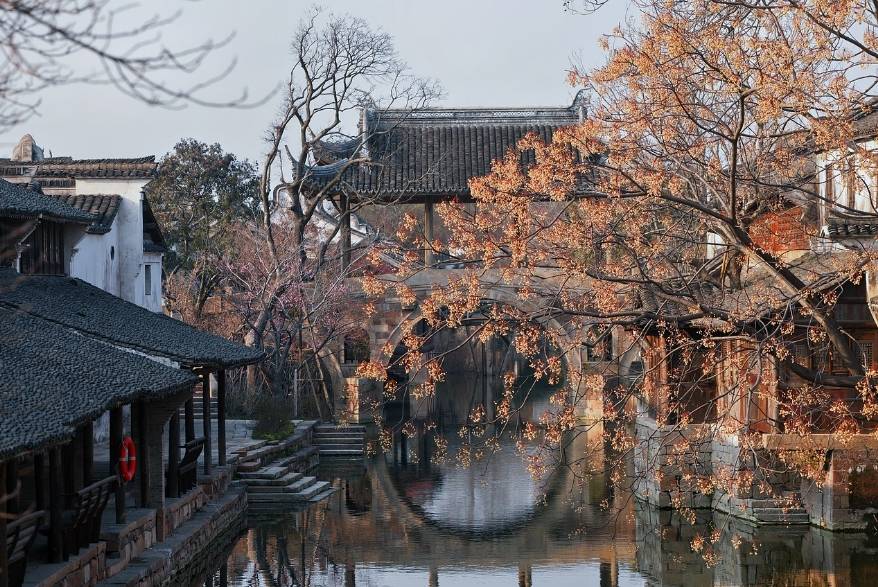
(433, 152)
(29, 160)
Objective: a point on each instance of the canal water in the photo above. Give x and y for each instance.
(419, 515)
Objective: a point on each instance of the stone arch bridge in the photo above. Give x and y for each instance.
(393, 319)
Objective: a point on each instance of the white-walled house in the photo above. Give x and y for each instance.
(121, 250)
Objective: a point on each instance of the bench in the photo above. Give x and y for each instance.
(20, 535)
(82, 524)
(187, 469)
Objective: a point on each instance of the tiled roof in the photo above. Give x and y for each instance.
(102, 207)
(17, 201)
(52, 379)
(139, 167)
(845, 228)
(89, 310)
(434, 151)
(761, 293)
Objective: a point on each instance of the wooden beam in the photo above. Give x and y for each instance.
(115, 449)
(56, 507)
(221, 417)
(174, 455)
(205, 419)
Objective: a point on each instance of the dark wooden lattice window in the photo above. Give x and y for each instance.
(44, 250)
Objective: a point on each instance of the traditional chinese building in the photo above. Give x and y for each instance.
(720, 411)
(120, 249)
(75, 509)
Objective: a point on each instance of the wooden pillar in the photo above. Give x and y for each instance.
(11, 485)
(429, 258)
(142, 452)
(40, 481)
(221, 416)
(345, 207)
(56, 496)
(88, 455)
(4, 563)
(205, 419)
(189, 417)
(115, 449)
(174, 455)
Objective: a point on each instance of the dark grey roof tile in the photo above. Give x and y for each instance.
(52, 379)
(89, 310)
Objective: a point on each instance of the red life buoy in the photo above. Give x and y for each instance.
(127, 459)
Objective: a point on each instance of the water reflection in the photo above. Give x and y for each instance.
(410, 520)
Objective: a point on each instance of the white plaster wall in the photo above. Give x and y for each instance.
(95, 259)
(128, 229)
(152, 300)
(866, 196)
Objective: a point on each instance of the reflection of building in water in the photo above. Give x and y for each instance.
(745, 554)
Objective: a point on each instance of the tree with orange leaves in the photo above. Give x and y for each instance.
(693, 211)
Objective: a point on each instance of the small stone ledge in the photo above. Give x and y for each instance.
(176, 561)
(85, 568)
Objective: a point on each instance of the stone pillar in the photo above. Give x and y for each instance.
(429, 258)
(345, 208)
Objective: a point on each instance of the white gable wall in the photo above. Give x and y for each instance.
(128, 267)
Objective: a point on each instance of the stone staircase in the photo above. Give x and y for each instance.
(340, 441)
(776, 511)
(198, 398)
(280, 485)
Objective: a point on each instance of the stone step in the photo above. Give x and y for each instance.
(330, 450)
(778, 515)
(338, 438)
(274, 498)
(287, 479)
(312, 490)
(271, 472)
(249, 467)
(323, 495)
(300, 485)
(339, 429)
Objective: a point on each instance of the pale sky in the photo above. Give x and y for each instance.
(483, 52)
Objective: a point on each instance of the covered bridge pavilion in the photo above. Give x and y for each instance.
(425, 156)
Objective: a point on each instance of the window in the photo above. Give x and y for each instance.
(600, 348)
(147, 279)
(44, 250)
